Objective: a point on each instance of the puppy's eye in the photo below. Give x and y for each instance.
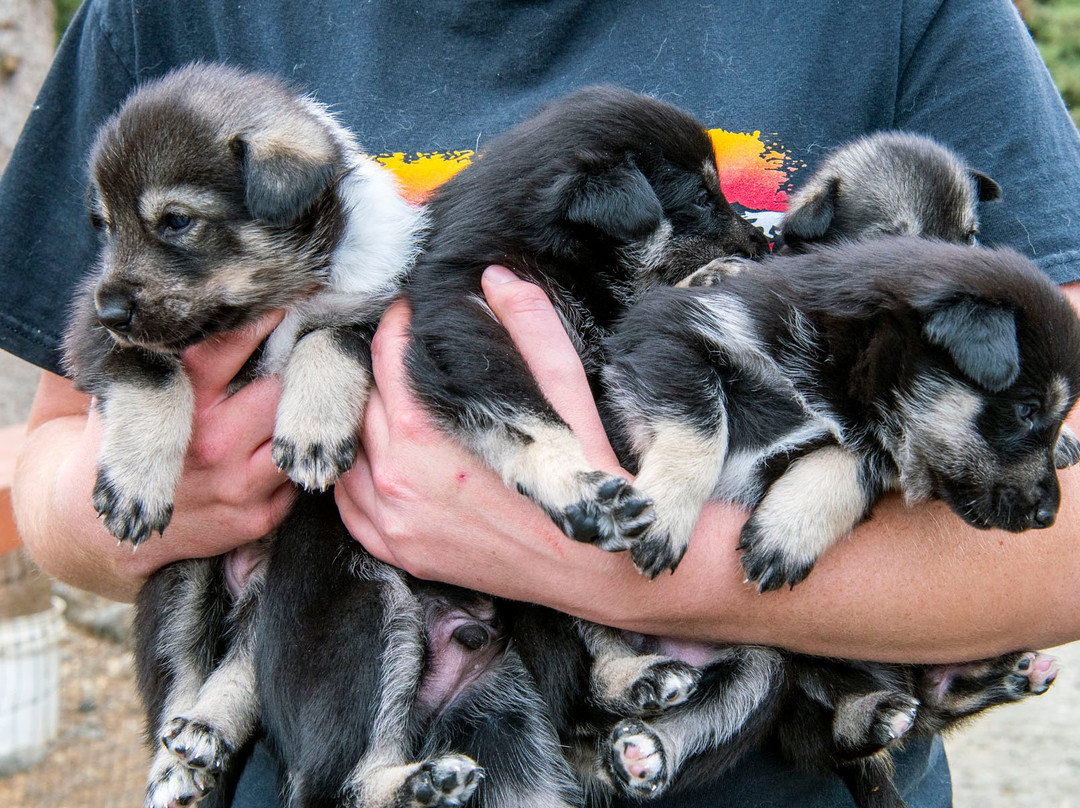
(173, 223)
(97, 221)
(973, 238)
(1026, 412)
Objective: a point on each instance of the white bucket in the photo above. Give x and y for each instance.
(29, 686)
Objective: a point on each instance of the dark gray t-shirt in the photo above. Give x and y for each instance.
(423, 84)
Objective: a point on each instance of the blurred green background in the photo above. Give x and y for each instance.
(1055, 25)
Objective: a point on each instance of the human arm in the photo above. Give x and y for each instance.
(911, 584)
(230, 492)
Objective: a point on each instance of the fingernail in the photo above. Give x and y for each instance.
(496, 275)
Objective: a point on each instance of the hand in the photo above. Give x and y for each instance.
(417, 500)
(230, 493)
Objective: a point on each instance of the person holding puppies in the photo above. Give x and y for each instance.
(911, 585)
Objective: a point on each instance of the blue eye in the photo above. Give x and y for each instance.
(1026, 412)
(176, 222)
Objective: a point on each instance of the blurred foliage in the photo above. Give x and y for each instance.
(1055, 25)
(65, 10)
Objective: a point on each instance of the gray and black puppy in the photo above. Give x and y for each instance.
(279, 210)
(888, 184)
(883, 184)
(221, 195)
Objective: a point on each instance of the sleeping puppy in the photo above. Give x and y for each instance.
(888, 184)
(612, 193)
(221, 195)
(807, 388)
(884, 184)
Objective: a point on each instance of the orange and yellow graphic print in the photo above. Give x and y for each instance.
(755, 173)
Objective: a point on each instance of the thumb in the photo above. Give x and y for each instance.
(540, 337)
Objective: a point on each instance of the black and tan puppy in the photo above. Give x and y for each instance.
(278, 210)
(597, 199)
(221, 195)
(811, 386)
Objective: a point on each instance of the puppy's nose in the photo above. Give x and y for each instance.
(115, 308)
(1043, 517)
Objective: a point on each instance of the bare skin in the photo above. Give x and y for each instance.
(230, 493)
(912, 584)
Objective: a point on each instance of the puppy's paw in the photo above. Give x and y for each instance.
(610, 513)
(636, 760)
(655, 552)
(893, 717)
(663, 685)
(767, 562)
(445, 782)
(176, 785)
(1035, 672)
(199, 746)
(128, 515)
(314, 464)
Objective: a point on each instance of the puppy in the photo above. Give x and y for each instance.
(221, 195)
(888, 184)
(889, 364)
(884, 184)
(599, 197)
(613, 193)
(819, 381)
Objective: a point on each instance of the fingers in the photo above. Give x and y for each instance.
(355, 498)
(213, 363)
(540, 336)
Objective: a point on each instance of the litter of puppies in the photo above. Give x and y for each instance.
(880, 350)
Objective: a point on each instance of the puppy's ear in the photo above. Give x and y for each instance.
(980, 338)
(989, 191)
(280, 180)
(1067, 450)
(617, 200)
(813, 213)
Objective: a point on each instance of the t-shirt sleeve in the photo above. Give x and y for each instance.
(46, 241)
(973, 78)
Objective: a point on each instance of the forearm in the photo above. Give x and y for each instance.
(911, 584)
(230, 492)
(57, 520)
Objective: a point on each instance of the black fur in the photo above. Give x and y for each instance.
(611, 194)
(859, 349)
